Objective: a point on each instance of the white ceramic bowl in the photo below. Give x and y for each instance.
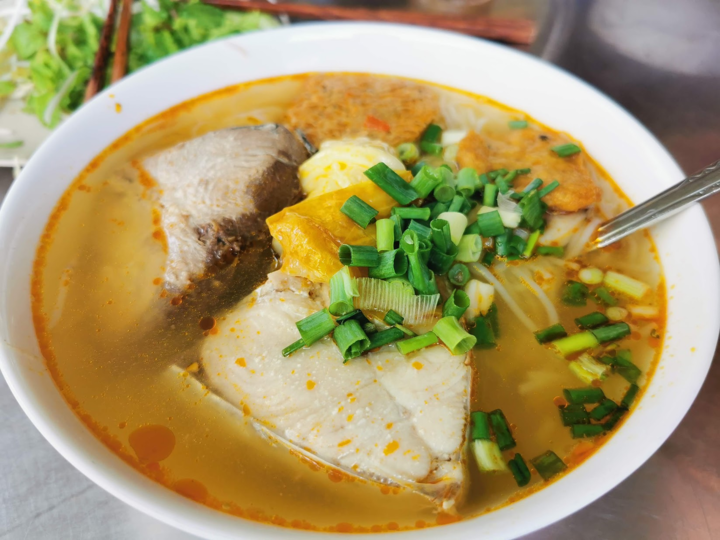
(625, 148)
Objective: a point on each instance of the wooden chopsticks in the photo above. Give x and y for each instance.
(518, 31)
(97, 78)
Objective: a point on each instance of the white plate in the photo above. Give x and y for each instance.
(631, 155)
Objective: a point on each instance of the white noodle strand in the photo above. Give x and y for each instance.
(502, 291)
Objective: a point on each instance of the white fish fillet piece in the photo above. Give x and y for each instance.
(386, 417)
(217, 189)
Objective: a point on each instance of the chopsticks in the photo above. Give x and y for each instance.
(97, 78)
(518, 31)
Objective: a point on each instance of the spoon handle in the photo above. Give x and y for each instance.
(671, 201)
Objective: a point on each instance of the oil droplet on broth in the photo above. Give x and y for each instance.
(152, 443)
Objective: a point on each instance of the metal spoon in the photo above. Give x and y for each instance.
(668, 203)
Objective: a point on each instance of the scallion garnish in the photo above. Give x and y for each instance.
(412, 212)
(392, 317)
(630, 396)
(591, 320)
(503, 186)
(519, 470)
(423, 232)
(455, 338)
(351, 339)
(532, 210)
(548, 465)
(364, 256)
(391, 183)
(535, 184)
(426, 181)
(555, 251)
(456, 304)
(480, 426)
(573, 414)
(551, 333)
(315, 326)
(603, 409)
(459, 275)
(581, 396)
(490, 194)
(565, 150)
(530, 245)
(579, 431)
(441, 235)
(488, 456)
(614, 418)
(419, 275)
(622, 362)
(575, 343)
(385, 337)
(405, 330)
(416, 343)
(547, 189)
(517, 124)
(490, 223)
(385, 234)
(467, 181)
(602, 295)
(444, 193)
(408, 152)
(429, 140)
(501, 429)
(625, 284)
(343, 288)
(359, 211)
(440, 262)
(390, 264)
(497, 172)
(494, 320)
(484, 334)
(611, 332)
(470, 248)
(575, 293)
(299, 344)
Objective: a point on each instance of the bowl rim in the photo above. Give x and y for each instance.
(171, 508)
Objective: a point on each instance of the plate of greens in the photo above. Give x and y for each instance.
(47, 49)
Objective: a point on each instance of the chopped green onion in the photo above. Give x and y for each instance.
(458, 224)
(470, 248)
(547, 189)
(411, 212)
(551, 333)
(423, 232)
(405, 330)
(603, 409)
(582, 396)
(625, 368)
(480, 426)
(467, 181)
(517, 124)
(519, 470)
(497, 172)
(614, 418)
(484, 334)
(490, 223)
(456, 304)
(365, 256)
(575, 343)
(484, 180)
(516, 245)
(359, 211)
(425, 249)
(391, 183)
(351, 315)
(385, 337)
(591, 320)
(456, 204)
(611, 332)
(626, 285)
(565, 150)
(548, 465)
(530, 245)
(579, 431)
(385, 234)
(472, 229)
(588, 370)
(532, 210)
(488, 258)
(494, 320)
(502, 430)
(523, 171)
(444, 193)
(11, 144)
(488, 456)
(490, 194)
(351, 339)
(535, 184)
(502, 185)
(441, 235)
(573, 414)
(459, 275)
(602, 295)
(398, 224)
(432, 133)
(392, 317)
(440, 262)
(630, 396)
(554, 251)
(315, 326)
(391, 264)
(416, 343)
(426, 181)
(434, 149)
(408, 152)
(591, 275)
(502, 243)
(343, 288)
(417, 167)
(575, 293)
(299, 344)
(455, 338)
(419, 275)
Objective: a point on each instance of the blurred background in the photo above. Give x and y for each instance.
(660, 59)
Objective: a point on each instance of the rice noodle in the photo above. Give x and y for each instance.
(577, 243)
(544, 300)
(502, 291)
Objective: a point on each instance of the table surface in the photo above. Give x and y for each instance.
(658, 58)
